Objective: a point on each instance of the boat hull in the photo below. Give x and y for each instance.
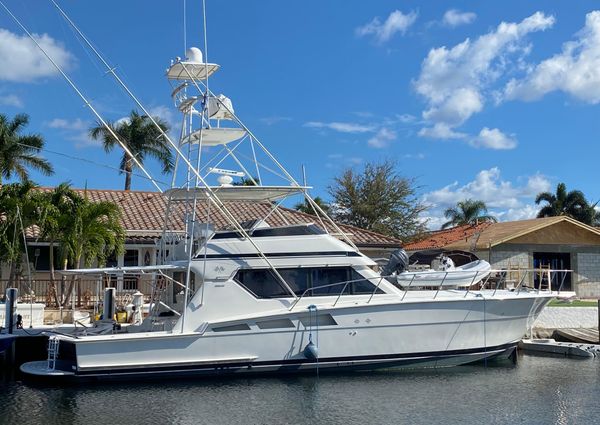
(39, 369)
(368, 337)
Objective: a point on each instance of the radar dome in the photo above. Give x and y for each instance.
(194, 54)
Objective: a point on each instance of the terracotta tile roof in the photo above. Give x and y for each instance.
(486, 235)
(143, 217)
(443, 238)
(502, 232)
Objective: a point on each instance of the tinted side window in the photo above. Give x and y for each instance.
(262, 283)
(299, 279)
(362, 285)
(330, 276)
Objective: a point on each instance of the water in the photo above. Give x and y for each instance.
(538, 390)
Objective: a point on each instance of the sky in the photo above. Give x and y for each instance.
(494, 101)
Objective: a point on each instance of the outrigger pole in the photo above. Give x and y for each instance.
(80, 94)
(211, 195)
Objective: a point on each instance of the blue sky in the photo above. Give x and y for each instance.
(493, 101)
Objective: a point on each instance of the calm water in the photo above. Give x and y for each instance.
(538, 390)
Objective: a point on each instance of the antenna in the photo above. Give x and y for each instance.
(303, 175)
(184, 25)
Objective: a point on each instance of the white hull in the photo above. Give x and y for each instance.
(379, 335)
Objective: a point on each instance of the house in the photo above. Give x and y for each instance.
(554, 242)
(143, 217)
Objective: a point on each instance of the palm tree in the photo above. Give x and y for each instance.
(56, 209)
(572, 204)
(468, 211)
(19, 210)
(20, 152)
(307, 208)
(141, 137)
(247, 181)
(93, 232)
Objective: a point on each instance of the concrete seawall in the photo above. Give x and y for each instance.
(567, 317)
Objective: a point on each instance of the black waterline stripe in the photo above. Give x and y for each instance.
(301, 362)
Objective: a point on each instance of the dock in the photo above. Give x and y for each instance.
(553, 347)
(580, 335)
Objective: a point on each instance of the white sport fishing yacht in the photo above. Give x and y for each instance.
(254, 298)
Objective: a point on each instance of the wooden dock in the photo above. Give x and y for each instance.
(581, 335)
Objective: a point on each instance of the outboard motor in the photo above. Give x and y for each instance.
(397, 263)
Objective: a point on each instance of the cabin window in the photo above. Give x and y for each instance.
(325, 280)
(262, 283)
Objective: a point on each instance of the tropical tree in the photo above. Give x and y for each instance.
(307, 208)
(468, 211)
(18, 211)
(378, 199)
(20, 152)
(572, 204)
(141, 137)
(247, 181)
(94, 232)
(56, 209)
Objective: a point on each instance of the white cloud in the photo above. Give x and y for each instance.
(76, 130)
(11, 100)
(457, 107)
(274, 120)
(342, 127)
(488, 186)
(23, 61)
(453, 18)
(395, 22)
(338, 160)
(455, 81)
(382, 139)
(575, 71)
(523, 213)
(414, 156)
(406, 118)
(440, 131)
(63, 124)
(494, 139)
(363, 114)
(165, 113)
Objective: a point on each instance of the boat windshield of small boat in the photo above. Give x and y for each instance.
(462, 276)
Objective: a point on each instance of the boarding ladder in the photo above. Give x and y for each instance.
(53, 343)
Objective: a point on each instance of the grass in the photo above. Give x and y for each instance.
(575, 303)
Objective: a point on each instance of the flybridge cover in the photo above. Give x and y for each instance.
(191, 70)
(236, 193)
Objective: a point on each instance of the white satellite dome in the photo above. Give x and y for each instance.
(225, 180)
(194, 54)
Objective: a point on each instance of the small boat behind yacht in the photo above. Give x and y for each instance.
(399, 271)
(459, 277)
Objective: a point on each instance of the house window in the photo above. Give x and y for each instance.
(325, 280)
(130, 281)
(39, 257)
